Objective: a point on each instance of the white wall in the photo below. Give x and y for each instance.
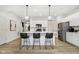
(73, 19)
(5, 34)
(38, 20)
(33, 22)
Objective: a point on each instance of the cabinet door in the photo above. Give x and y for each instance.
(52, 26)
(73, 38)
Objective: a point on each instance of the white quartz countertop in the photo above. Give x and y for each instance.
(36, 32)
(73, 32)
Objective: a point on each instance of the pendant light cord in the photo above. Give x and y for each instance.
(49, 9)
(26, 10)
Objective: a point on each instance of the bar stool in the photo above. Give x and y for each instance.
(25, 37)
(36, 36)
(48, 38)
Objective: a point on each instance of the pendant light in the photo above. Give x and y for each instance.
(49, 17)
(27, 17)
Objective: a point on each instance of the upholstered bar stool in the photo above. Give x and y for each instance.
(48, 38)
(36, 38)
(26, 39)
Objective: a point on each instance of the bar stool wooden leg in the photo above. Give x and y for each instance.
(29, 43)
(20, 44)
(39, 44)
(45, 44)
(26, 44)
(51, 44)
(33, 43)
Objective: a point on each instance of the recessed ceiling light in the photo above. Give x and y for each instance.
(35, 10)
(40, 14)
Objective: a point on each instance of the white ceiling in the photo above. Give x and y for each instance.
(18, 10)
(55, 10)
(40, 10)
(64, 10)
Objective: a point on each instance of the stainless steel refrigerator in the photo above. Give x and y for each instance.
(63, 28)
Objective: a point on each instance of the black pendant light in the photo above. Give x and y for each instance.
(27, 17)
(49, 17)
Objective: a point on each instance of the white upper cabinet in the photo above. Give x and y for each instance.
(35, 21)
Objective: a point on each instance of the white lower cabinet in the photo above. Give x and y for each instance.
(73, 38)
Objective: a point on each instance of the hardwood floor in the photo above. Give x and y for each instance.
(60, 48)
